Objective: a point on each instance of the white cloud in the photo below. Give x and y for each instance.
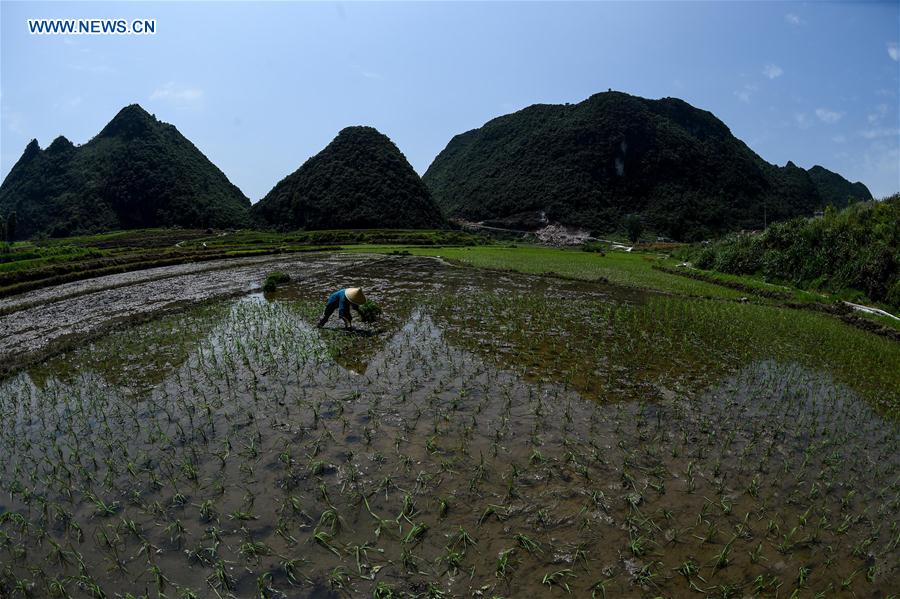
(180, 95)
(893, 51)
(828, 116)
(92, 68)
(773, 71)
(880, 112)
(839, 139)
(792, 19)
(880, 132)
(802, 120)
(745, 92)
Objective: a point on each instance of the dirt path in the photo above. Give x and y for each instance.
(37, 323)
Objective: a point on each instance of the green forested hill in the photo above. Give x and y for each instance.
(137, 172)
(590, 164)
(836, 190)
(360, 180)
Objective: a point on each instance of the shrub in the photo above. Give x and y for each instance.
(855, 249)
(706, 259)
(740, 256)
(596, 247)
(875, 267)
(633, 227)
(893, 296)
(274, 280)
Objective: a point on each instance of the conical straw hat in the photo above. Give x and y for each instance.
(355, 295)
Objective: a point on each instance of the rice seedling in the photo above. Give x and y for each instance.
(383, 590)
(558, 578)
(291, 569)
(369, 311)
(505, 563)
(325, 540)
(415, 534)
(723, 558)
(253, 550)
(574, 439)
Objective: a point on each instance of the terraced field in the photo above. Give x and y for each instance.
(176, 432)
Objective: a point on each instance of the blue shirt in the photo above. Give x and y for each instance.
(339, 300)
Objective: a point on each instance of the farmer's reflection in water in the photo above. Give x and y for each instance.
(342, 300)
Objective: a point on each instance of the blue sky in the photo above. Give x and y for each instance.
(260, 87)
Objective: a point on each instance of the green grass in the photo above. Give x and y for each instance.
(95, 238)
(620, 268)
(36, 257)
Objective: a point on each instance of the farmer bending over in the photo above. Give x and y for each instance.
(342, 301)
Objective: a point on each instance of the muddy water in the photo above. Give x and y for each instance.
(35, 323)
(235, 450)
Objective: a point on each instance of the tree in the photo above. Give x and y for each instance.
(633, 227)
(11, 227)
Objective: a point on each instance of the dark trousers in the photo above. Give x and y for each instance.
(330, 307)
(329, 310)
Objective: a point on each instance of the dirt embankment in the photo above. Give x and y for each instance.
(38, 323)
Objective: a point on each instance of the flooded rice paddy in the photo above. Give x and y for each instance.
(493, 435)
